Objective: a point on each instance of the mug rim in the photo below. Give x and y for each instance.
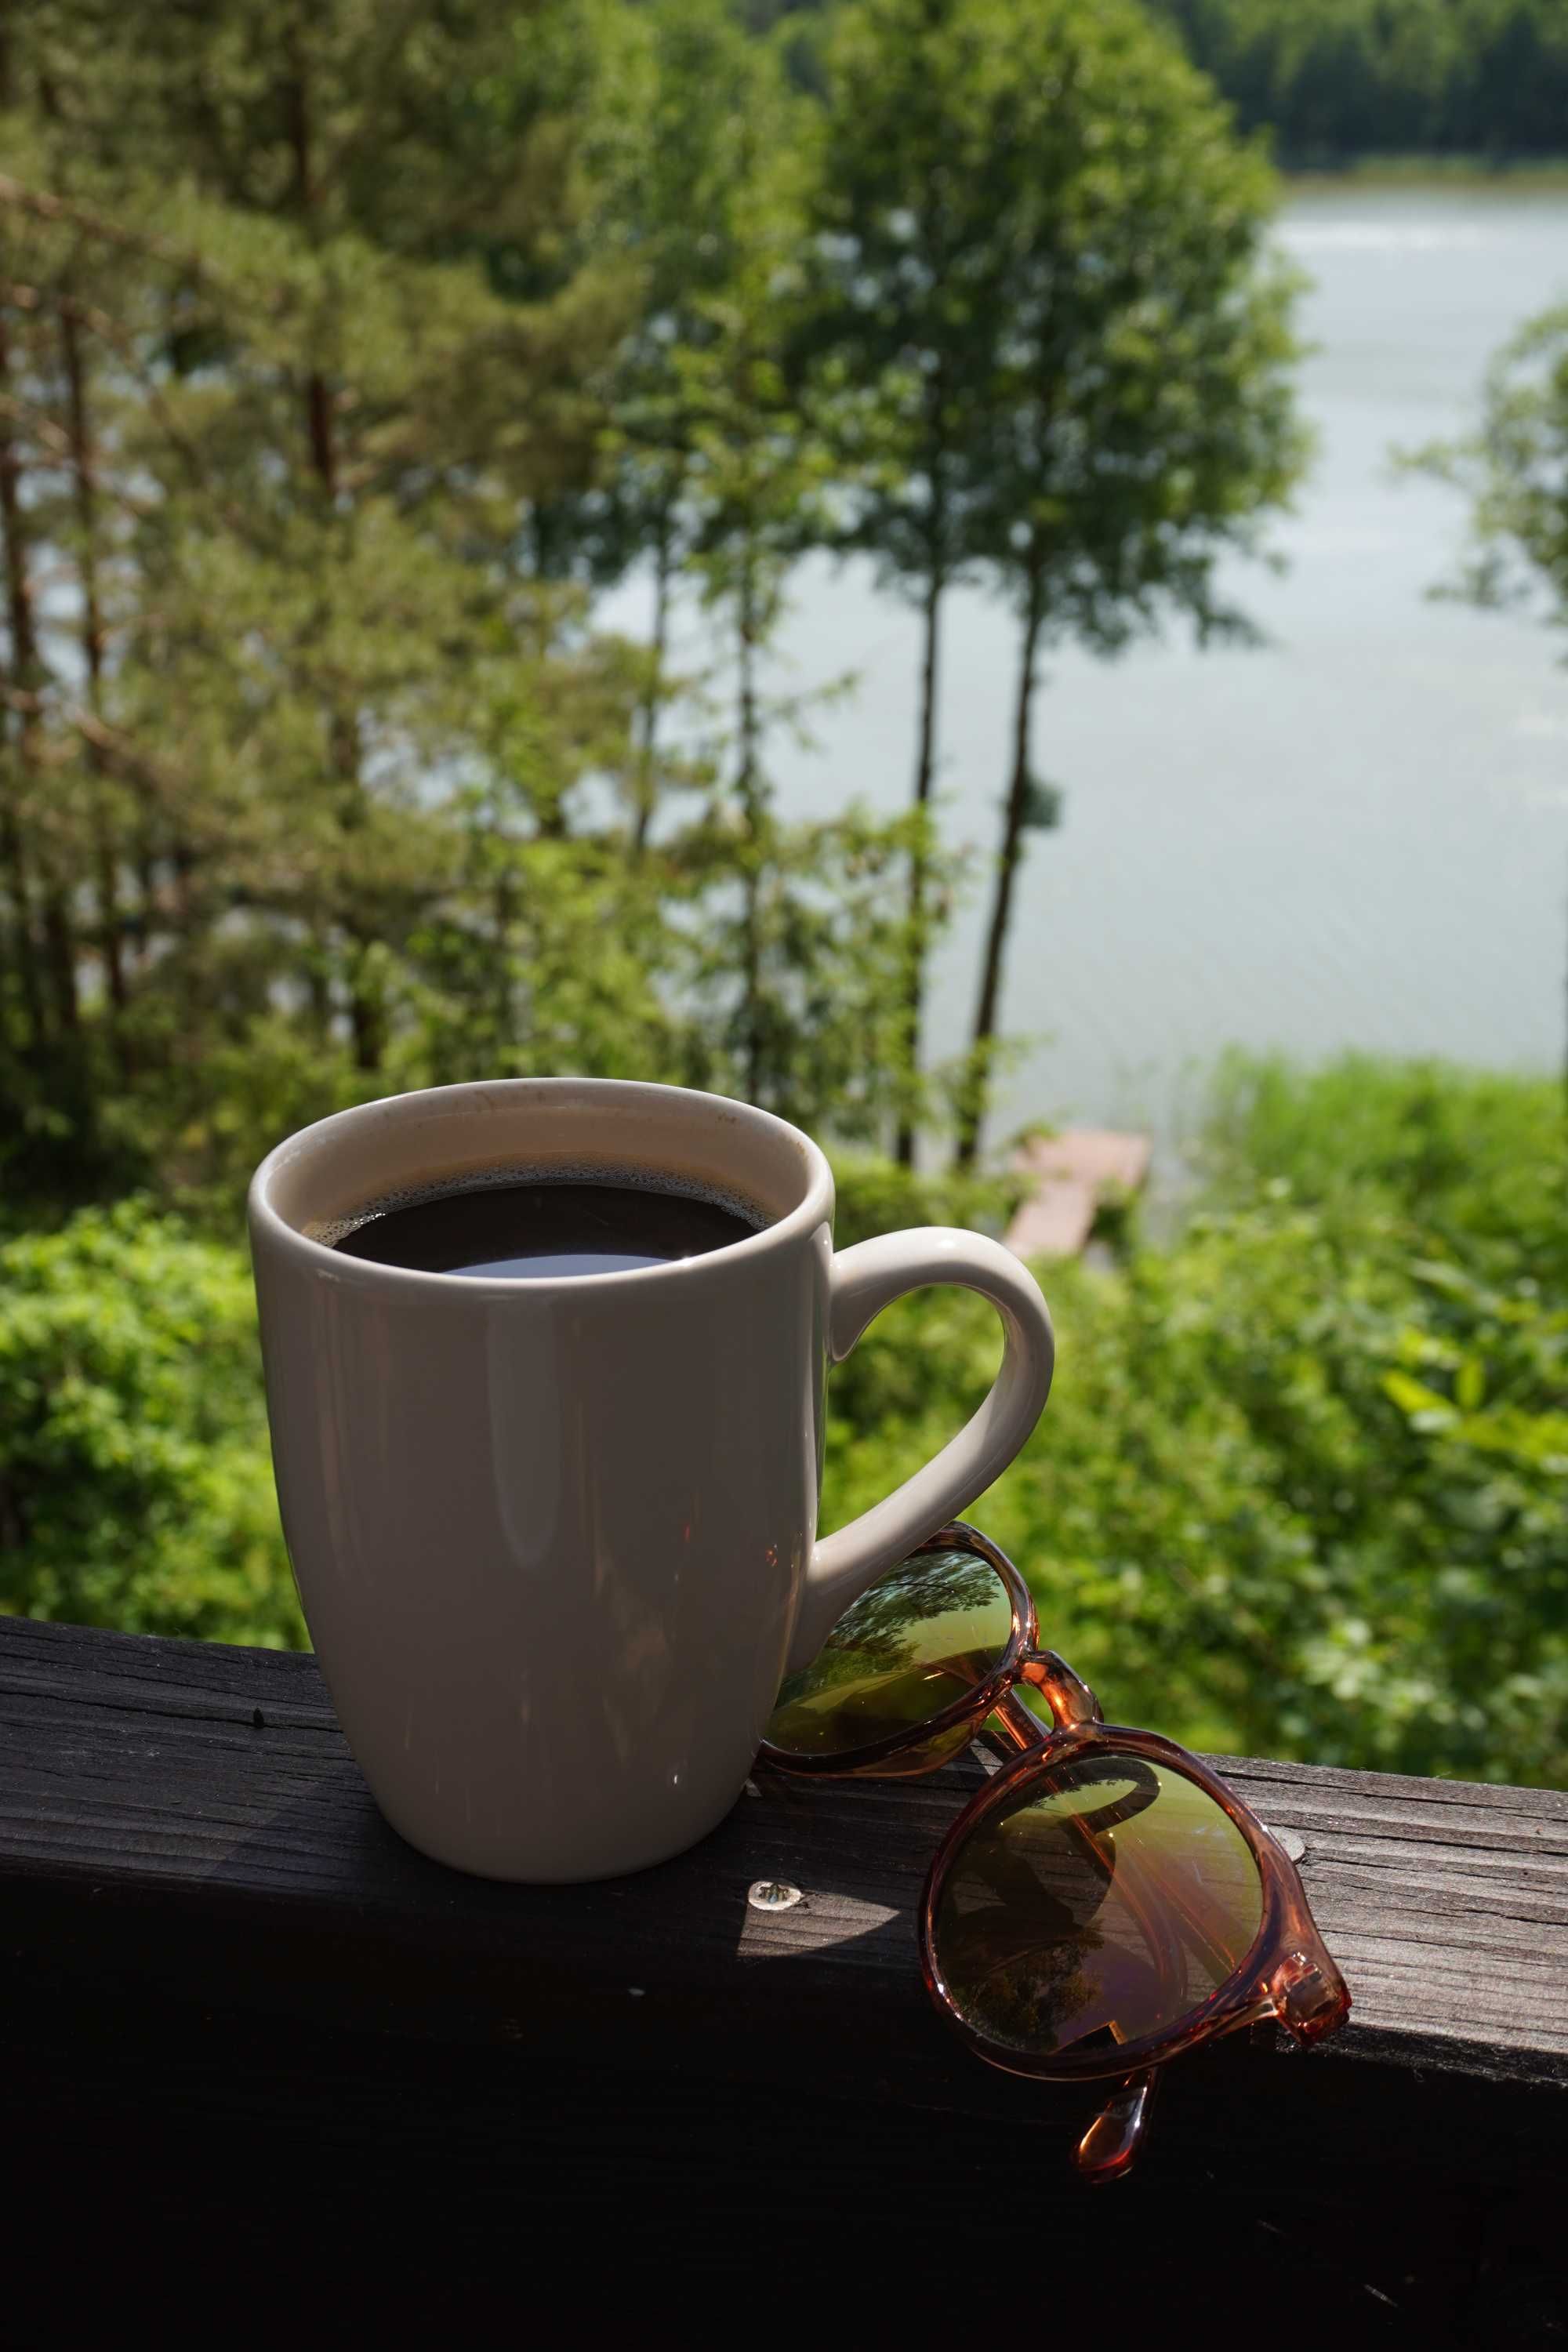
(815, 1208)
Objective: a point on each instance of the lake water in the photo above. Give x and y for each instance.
(1357, 835)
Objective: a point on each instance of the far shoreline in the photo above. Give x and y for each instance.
(1464, 175)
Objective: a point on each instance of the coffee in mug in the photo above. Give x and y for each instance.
(532, 1228)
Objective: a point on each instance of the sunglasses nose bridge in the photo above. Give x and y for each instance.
(1066, 1695)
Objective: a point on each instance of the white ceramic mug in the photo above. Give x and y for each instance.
(556, 1540)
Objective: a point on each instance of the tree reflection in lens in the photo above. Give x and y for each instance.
(1107, 1898)
(926, 1634)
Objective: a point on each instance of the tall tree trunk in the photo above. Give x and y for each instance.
(925, 774)
(106, 857)
(749, 790)
(647, 717)
(319, 984)
(19, 890)
(13, 841)
(59, 957)
(147, 893)
(13, 846)
(367, 1015)
(318, 421)
(60, 944)
(1013, 828)
(367, 1010)
(504, 905)
(83, 475)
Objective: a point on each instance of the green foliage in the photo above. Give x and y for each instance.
(335, 375)
(1514, 471)
(293, 701)
(1300, 1488)
(801, 947)
(135, 1484)
(1139, 417)
(1335, 81)
(1338, 78)
(1047, 341)
(1300, 1491)
(878, 1196)
(798, 971)
(1478, 1157)
(338, 372)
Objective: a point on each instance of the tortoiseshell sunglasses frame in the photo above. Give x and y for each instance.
(1287, 1974)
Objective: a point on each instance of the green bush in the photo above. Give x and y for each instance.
(876, 1196)
(1300, 1491)
(135, 1483)
(1300, 1488)
(1480, 1156)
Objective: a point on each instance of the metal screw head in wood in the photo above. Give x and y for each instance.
(772, 1895)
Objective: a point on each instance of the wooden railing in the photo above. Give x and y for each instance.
(247, 2031)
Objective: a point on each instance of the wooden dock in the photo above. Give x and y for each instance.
(1069, 1176)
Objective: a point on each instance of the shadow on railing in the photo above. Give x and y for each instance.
(231, 1970)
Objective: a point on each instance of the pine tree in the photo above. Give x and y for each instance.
(302, 336)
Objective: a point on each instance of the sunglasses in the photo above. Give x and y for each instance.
(1105, 1902)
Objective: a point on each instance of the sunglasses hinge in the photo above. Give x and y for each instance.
(1308, 1995)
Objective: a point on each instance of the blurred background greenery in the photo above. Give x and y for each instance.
(349, 358)
(1299, 1490)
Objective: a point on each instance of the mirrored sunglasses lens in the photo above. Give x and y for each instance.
(926, 1634)
(1103, 1901)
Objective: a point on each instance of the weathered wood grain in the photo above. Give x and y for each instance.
(211, 1944)
(139, 1772)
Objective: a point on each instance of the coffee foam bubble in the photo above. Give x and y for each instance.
(623, 1176)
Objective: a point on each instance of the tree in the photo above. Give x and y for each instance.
(1138, 422)
(799, 952)
(62, 795)
(682, 149)
(339, 369)
(1343, 78)
(910, 266)
(304, 339)
(1514, 471)
(416, 410)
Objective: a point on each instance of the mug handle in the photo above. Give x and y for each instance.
(864, 1280)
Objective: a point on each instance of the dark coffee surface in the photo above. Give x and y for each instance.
(538, 1232)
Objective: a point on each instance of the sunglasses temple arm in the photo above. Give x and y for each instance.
(1110, 2146)
(1011, 1726)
